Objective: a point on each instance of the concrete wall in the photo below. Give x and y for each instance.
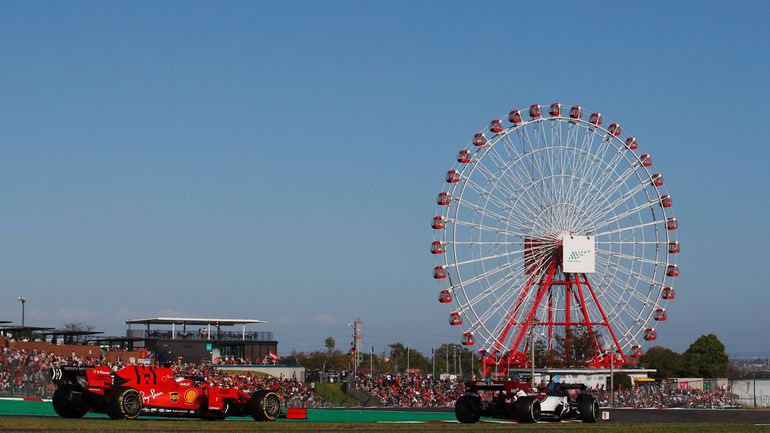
(745, 390)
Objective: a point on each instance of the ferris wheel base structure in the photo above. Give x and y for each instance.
(554, 234)
(574, 287)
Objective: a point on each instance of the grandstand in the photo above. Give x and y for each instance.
(201, 339)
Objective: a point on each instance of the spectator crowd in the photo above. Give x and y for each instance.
(24, 373)
(660, 396)
(411, 390)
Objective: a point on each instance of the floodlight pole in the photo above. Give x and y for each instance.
(23, 301)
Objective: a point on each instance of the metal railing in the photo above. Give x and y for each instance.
(200, 335)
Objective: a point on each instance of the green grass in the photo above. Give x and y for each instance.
(40, 424)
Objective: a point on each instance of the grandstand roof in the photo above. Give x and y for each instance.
(191, 321)
(67, 332)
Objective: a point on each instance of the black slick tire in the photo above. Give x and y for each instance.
(264, 406)
(64, 406)
(467, 409)
(124, 403)
(527, 410)
(589, 409)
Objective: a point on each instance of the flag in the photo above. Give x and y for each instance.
(272, 356)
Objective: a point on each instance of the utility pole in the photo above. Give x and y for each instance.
(356, 325)
(532, 350)
(532, 355)
(460, 360)
(407, 359)
(371, 363)
(446, 347)
(612, 377)
(433, 360)
(23, 301)
(454, 358)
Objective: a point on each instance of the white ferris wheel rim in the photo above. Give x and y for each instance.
(618, 280)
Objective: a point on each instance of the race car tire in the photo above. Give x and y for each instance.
(467, 409)
(588, 408)
(124, 403)
(264, 405)
(527, 409)
(64, 406)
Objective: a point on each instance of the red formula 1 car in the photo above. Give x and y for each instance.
(135, 390)
(515, 399)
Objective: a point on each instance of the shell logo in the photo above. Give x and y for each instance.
(190, 396)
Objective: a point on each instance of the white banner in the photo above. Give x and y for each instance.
(579, 254)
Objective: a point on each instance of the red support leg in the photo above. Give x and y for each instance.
(550, 318)
(604, 318)
(567, 318)
(584, 310)
(540, 292)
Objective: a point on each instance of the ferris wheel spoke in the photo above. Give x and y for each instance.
(485, 211)
(537, 157)
(487, 228)
(623, 229)
(624, 215)
(608, 172)
(487, 274)
(609, 167)
(632, 242)
(612, 188)
(624, 302)
(501, 205)
(486, 293)
(505, 169)
(627, 271)
(632, 258)
(503, 181)
(602, 213)
(505, 177)
(618, 288)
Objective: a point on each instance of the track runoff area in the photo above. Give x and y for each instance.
(22, 416)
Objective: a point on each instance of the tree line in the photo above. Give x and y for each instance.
(705, 357)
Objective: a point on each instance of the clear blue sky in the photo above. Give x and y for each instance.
(280, 160)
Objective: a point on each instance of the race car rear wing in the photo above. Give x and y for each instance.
(67, 374)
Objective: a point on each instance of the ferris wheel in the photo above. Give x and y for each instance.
(551, 227)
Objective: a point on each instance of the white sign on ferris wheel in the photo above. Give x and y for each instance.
(579, 254)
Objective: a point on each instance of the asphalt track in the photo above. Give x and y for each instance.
(653, 416)
(679, 416)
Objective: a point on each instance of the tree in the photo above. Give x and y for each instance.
(581, 348)
(77, 327)
(329, 343)
(622, 380)
(667, 362)
(706, 357)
